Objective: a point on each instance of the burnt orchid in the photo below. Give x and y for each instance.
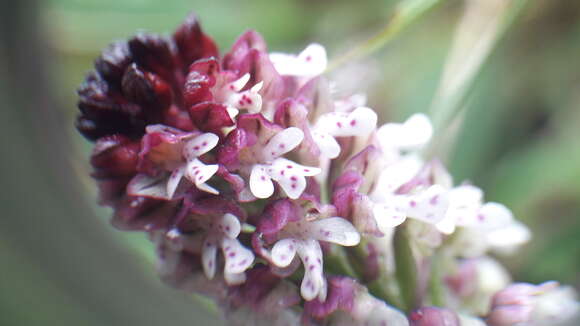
(265, 189)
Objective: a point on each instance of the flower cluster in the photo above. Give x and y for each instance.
(265, 188)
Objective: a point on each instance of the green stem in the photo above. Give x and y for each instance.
(406, 269)
(436, 292)
(385, 289)
(338, 263)
(406, 13)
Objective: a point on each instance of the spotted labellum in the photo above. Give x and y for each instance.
(285, 201)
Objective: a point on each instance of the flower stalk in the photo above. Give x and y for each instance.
(282, 200)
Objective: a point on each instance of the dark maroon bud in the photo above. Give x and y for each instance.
(115, 156)
(210, 117)
(148, 90)
(112, 63)
(105, 112)
(199, 81)
(192, 43)
(153, 53)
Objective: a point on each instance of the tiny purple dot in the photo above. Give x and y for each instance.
(434, 200)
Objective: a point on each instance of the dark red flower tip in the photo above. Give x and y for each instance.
(192, 44)
(154, 53)
(210, 117)
(112, 63)
(141, 82)
(104, 111)
(200, 79)
(147, 90)
(115, 156)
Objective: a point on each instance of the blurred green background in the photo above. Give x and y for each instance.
(511, 70)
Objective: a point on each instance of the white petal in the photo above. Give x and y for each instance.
(144, 185)
(494, 216)
(334, 229)
(256, 88)
(310, 62)
(293, 186)
(386, 315)
(229, 225)
(446, 225)
(412, 134)
(464, 205)
(509, 236)
(239, 84)
(260, 183)
(328, 146)
(232, 112)
(282, 143)
(282, 164)
(238, 258)
(247, 100)
(466, 195)
(285, 64)
(235, 278)
(428, 206)
(290, 176)
(397, 174)
(360, 122)
(313, 60)
(283, 252)
(388, 215)
(311, 255)
(199, 173)
(208, 257)
(174, 180)
(199, 145)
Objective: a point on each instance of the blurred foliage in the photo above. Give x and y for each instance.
(518, 138)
